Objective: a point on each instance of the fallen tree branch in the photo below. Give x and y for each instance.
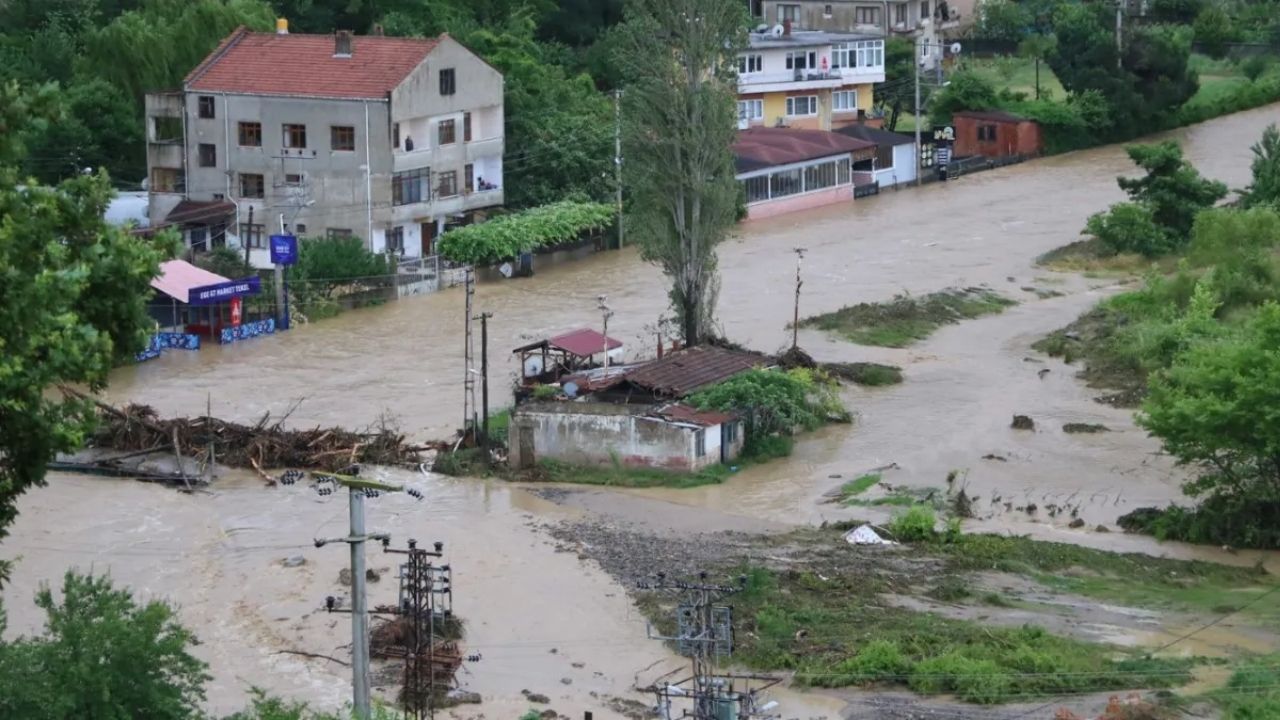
(316, 656)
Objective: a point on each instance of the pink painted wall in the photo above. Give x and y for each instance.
(800, 202)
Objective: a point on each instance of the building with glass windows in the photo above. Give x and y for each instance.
(785, 169)
(808, 80)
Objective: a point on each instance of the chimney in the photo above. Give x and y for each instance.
(786, 28)
(377, 30)
(282, 26)
(342, 43)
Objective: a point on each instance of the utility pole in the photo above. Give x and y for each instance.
(358, 489)
(795, 323)
(1119, 41)
(484, 383)
(704, 632)
(468, 351)
(617, 156)
(605, 313)
(916, 63)
(282, 307)
(245, 239)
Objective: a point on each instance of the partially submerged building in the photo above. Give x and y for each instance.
(634, 417)
(784, 169)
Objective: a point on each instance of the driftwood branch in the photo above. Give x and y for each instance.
(316, 656)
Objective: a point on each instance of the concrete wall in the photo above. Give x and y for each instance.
(903, 170)
(792, 203)
(601, 433)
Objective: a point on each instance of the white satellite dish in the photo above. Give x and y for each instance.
(777, 30)
(570, 389)
(955, 48)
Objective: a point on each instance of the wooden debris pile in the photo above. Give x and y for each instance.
(264, 445)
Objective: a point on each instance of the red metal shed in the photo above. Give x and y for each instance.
(995, 133)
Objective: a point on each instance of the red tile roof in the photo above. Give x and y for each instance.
(681, 373)
(253, 63)
(766, 147)
(583, 343)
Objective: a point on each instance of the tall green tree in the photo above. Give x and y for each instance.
(1265, 188)
(679, 61)
(73, 294)
(1172, 187)
(102, 655)
(966, 91)
(1143, 81)
(99, 129)
(1001, 20)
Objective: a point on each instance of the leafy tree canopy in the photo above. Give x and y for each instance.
(1172, 188)
(507, 236)
(325, 264)
(73, 295)
(102, 655)
(1265, 188)
(966, 91)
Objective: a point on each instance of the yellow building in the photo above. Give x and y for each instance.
(811, 80)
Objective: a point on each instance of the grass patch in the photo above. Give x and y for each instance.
(499, 423)
(1017, 74)
(833, 633)
(619, 476)
(859, 485)
(906, 319)
(1131, 579)
(867, 374)
(1253, 692)
(900, 496)
(1084, 428)
(1091, 258)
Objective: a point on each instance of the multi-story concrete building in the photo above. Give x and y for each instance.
(808, 80)
(388, 139)
(931, 22)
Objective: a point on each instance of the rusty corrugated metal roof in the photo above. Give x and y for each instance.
(678, 412)
(686, 371)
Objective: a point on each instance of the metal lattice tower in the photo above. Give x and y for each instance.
(704, 633)
(426, 604)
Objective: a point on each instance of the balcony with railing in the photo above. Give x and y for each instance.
(789, 80)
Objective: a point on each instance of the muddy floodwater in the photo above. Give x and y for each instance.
(218, 554)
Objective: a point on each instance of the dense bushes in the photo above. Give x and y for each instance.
(505, 237)
(1165, 203)
(774, 403)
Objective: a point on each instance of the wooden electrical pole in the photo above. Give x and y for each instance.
(484, 383)
(795, 322)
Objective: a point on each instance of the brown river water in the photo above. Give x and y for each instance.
(217, 554)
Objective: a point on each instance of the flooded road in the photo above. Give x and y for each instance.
(218, 556)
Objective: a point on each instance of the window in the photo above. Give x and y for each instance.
(395, 240)
(342, 137)
(411, 186)
(204, 106)
(867, 53)
(844, 100)
(700, 443)
(986, 133)
(395, 135)
(166, 180)
(295, 136)
(448, 84)
(447, 133)
(466, 127)
(750, 110)
(468, 178)
(730, 433)
(826, 10)
(924, 10)
(252, 235)
(166, 129)
(866, 15)
(788, 12)
(802, 106)
(802, 60)
(293, 179)
(250, 134)
(208, 155)
(199, 238)
(900, 14)
(300, 229)
(750, 63)
(757, 188)
(337, 233)
(448, 185)
(251, 185)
